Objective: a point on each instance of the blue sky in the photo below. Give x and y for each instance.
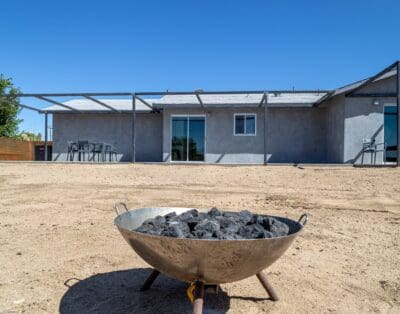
(81, 46)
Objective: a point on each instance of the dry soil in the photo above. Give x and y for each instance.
(60, 252)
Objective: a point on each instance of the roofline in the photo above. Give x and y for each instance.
(372, 78)
(156, 93)
(363, 82)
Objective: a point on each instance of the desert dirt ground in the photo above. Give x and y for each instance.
(60, 252)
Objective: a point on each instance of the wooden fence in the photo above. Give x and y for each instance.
(17, 149)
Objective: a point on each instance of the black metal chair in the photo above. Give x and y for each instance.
(72, 149)
(83, 149)
(112, 151)
(98, 149)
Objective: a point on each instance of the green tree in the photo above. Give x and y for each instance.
(9, 108)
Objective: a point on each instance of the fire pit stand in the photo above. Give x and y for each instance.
(200, 286)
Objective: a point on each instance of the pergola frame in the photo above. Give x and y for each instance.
(263, 102)
(139, 96)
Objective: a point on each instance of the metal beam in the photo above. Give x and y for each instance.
(239, 92)
(262, 100)
(71, 94)
(150, 93)
(100, 103)
(371, 79)
(45, 135)
(31, 108)
(145, 102)
(398, 112)
(382, 95)
(265, 99)
(56, 103)
(323, 98)
(133, 139)
(200, 100)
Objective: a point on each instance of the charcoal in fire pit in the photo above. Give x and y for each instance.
(202, 234)
(214, 212)
(169, 216)
(210, 226)
(215, 225)
(187, 215)
(176, 229)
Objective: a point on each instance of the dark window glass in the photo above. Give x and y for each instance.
(188, 138)
(179, 139)
(390, 132)
(196, 138)
(245, 124)
(239, 124)
(250, 125)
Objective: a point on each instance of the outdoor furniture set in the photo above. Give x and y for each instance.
(88, 151)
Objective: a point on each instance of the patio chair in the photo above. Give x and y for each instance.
(83, 149)
(98, 149)
(72, 149)
(371, 147)
(112, 151)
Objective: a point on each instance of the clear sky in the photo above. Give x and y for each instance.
(83, 46)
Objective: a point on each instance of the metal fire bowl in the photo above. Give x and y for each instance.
(213, 261)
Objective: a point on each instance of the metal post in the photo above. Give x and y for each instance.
(45, 136)
(398, 112)
(198, 297)
(265, 128)
(267, 286)
(149, 281)
(133, 127)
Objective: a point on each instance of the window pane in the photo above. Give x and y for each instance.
(239, 124)
(179, 139)
(250, 125)
(196, 138)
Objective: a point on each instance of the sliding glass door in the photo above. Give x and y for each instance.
(390, 132)
(188, 138)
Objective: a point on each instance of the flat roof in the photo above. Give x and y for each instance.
(276, 99)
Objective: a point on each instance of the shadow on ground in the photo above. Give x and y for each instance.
(118, 292)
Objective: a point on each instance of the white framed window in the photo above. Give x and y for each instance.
(244, 124)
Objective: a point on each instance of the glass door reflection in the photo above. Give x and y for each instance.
(188, 138)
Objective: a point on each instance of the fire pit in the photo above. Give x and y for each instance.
(202, 261)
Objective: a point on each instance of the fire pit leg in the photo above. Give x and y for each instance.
(149, 281)
(198, 297)
(267, 286)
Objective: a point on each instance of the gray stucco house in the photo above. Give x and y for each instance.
(294, 127)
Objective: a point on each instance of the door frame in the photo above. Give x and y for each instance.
(187, 135)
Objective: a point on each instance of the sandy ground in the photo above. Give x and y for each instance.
(60, 252)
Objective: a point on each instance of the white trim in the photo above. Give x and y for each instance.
(245, 114)
(187, 116)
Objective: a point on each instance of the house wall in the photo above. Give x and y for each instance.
(294, 135)
(111, 128)
(364, 119)
(297, 135)
(335, 129)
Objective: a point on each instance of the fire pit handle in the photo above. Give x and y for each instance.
(303, 219)
(119, 205)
